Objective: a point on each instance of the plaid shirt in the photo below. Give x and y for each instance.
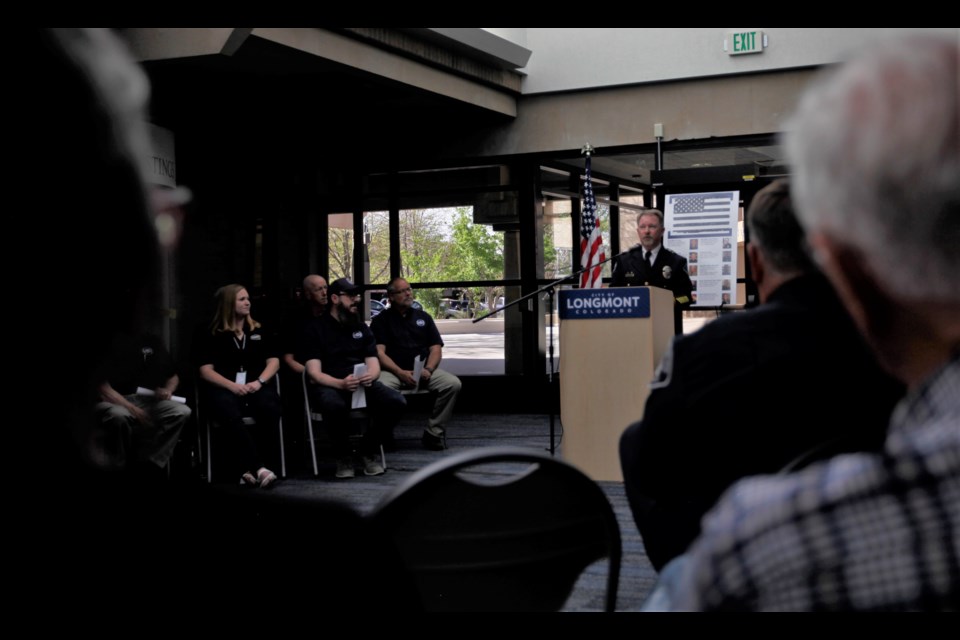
(857, 532)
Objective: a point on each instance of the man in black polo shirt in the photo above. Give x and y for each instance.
(403, 333)
(139, 419)
(315, 305)
(335, 345)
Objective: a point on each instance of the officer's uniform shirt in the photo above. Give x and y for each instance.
(668, 271)
(406, 337)
(339, 346)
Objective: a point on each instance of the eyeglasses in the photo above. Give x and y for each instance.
(644, 227)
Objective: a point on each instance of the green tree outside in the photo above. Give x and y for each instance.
(476, 254)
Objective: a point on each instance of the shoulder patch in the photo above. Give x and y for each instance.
(357, 335)
(421, 322)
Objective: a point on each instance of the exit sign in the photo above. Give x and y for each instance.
(741, 42)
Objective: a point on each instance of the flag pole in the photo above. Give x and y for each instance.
(586, 150)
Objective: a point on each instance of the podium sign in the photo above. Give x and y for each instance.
(586, 304)
(611, 341)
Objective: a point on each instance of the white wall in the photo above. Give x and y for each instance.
(517, 36)
(569, 59)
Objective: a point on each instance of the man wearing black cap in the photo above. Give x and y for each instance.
(334, 347)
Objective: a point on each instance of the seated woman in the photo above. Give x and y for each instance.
(237, 360)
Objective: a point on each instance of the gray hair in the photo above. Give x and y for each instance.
(651, 212)
(875, 151)
(392, 285)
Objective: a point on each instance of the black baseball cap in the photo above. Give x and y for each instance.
(342, 286)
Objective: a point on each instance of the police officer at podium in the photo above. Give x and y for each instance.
(652, 264)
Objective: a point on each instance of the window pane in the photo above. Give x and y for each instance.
(628, 221)
(424, 241)
(557, 239)
(603, 214)
(340, 243)
(444, 244)
(376, 242)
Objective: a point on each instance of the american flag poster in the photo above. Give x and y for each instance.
(703, 228)
(591, 240)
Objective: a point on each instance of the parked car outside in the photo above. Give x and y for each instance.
(455, 304)
(386, 305)
(451, 309)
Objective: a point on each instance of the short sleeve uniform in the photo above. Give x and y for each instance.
(339, 346)
(229, 354)
(406, 337)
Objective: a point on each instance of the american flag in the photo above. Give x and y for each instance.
(703, 213)
(591, 241)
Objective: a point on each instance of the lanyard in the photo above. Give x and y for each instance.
(241, 344)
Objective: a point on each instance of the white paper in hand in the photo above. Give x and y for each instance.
(359, 399)
(417, 371)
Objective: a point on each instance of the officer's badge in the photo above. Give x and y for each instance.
(357, 334)
(420, 322)
(667, 272)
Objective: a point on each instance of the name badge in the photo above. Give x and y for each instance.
(241, 377)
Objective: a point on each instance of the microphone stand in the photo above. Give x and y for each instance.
(550, 289)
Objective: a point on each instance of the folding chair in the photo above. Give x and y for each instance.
(207, 427)
(517, 544)
(356, 415)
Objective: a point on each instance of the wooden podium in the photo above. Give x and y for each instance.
(611, 341)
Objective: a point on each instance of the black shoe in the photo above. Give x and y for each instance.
(432, 442)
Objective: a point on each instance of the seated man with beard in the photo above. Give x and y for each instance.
(334, 346)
